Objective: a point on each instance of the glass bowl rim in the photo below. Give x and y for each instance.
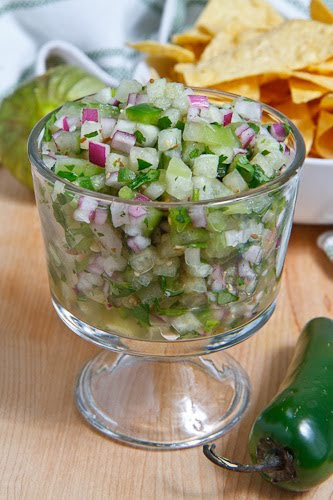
(291, 171)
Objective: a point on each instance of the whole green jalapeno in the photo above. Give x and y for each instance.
(291, 442)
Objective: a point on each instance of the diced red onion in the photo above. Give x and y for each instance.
(83, 284)
(123, 141)
(98, 152)
(138, 243)
(197, 214)
(62, 123)
(245, 270)
(253, 254)
(96, 265)
(113, 101)
(198, 101)
(136, 211)
(65, 124)
(247, 136)
(141, 99)
(133, 246)
(101, 216)
(286, 150)
(107, 125)
(278, 131)
(112, 180)
(131, 100)
(217, 273)
(119, 214)
(241, 128)
(192, 113)
(250, 110)
(50, 153)
(56, 135)
(227, 117)
(141, 197)
(86, 209)
(89, 115)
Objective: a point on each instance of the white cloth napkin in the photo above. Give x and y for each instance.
(94, 34)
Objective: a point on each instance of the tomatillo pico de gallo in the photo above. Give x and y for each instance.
(291, 442)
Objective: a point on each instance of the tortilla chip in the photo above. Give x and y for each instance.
(290, 46)
(191, 37)
(327, 102)
(300, 115)
(321, 12)
(247, 87)
(163, 66)
(322, 68)
(221, 42)
(313, 107)
(237, 15)
(274, 92)
(324, 135)
(303, 91)
(321, 80)
(174, 52)
(245, 36)
(225, 40)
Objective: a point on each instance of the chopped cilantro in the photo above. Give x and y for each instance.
(140, 138)
(258, 178)
(121, 289)
(164, 122)
(222, 167)
(70, 176)
(179, 218)
(265, 152)
(225, 297)
(143, 164)
(207, 150)
(254, 126)
(246, 170)
(47, 132)
(194, 153)
(145, 178)
(140, 313)
(125, 175)
(86, 183)
(91, 134)
(170, 286)
(180, 125)
(287, 128)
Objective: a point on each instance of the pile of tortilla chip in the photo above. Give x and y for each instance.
(246, 47)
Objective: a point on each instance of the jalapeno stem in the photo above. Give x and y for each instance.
(274, 463)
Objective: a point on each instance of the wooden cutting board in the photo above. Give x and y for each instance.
(46, 449)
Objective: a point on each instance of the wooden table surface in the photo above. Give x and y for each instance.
(46, 449)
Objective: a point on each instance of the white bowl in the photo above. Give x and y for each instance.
(315, 197)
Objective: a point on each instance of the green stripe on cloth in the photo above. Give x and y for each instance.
(26, 4)
(125, 52)
(299, 4)
(156, 5)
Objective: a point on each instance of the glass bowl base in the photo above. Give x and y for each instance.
(159, 403)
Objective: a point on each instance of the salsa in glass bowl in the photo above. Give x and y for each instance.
(166, 211)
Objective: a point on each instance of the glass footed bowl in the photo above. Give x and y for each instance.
(198, 285)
